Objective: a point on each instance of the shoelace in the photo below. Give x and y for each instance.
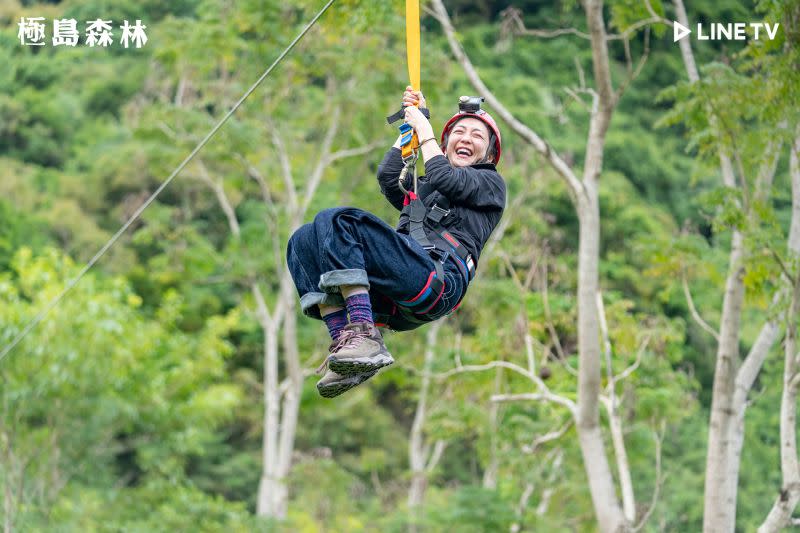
(344, 337)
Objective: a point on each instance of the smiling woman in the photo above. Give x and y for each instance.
(355, 272)
(468, 143)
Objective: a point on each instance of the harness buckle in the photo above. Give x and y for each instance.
(436, 213)
(437, 254)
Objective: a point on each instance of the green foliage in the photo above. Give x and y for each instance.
(161, 506)
(137, 404)
(473, 510)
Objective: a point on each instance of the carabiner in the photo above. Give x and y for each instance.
(409, 164)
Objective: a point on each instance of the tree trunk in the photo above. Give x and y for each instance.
(290, 409)
(601, 482)
(731, 386)
(781, 512)
(780, 515)
(720, 489)
(584, 195)
(270, 489)
(419, 454)
(490, 473)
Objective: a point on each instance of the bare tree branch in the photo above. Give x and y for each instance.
(601, 313)
(660, 477)
(600, 60)
(574, 185)
(794, 173)
(511, 23)
(574, 94)
(693, 310)
(286, 166)
(322, 163)
(636, 26)
(262, 311)
(615, 421)
(222, 198)
(655, 15)
(639, 65)
(632, 368)
(271, 218)
(436, 455)
(352, 152)
(562, 356)
(521, 505)
(420, 457)
(532, 270)
(547, 493)
(685, 44)
(460, 369)
(548, 437)
(511, 271)
(256, 176)
(581, 75)
(537, 397)
(529, 351)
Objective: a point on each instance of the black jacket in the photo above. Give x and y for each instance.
(477, 196)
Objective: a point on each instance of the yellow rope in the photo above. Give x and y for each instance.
(412, 42)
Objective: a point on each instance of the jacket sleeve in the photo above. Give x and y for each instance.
(388, 173)
(477, 188)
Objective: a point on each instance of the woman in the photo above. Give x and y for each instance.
(352, 270)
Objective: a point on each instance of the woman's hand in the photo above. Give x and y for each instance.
(417, 120)
(413, 98)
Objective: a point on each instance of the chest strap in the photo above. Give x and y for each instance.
(439, 242)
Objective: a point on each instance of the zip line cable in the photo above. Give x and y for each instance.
(54, 302)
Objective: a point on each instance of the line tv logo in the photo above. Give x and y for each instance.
(730, 31)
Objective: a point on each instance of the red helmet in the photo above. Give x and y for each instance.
(473, 111)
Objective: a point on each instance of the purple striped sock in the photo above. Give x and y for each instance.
(336, 322)
(359, 308)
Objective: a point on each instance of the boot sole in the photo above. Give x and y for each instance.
(335, 388)
(352, 367)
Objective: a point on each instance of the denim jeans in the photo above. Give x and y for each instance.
(349, 246)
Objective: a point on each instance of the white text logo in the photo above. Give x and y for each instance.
(98, 33)
(730, 31)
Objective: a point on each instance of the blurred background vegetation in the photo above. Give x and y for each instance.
(137, 405)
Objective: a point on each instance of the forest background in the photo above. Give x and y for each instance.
(173, 388)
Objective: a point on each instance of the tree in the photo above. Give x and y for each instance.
(585, 196)
(747, 181)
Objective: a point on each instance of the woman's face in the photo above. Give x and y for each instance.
(468, 142)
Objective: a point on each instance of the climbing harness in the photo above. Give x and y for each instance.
(72, 283)
(425, 226)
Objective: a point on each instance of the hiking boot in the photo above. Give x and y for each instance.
(333, 384)
(360, 349)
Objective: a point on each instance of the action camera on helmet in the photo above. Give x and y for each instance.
(470, 104)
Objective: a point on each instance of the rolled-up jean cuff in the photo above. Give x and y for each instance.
(331, 281)
(310, 300)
